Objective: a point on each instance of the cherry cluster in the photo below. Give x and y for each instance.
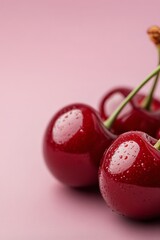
(120, 151)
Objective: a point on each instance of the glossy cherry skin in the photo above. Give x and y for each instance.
(73, 145)
(133, 117)
(129, 176)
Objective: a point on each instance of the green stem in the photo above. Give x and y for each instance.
(148, 100)
(108, 123)
(157, 145)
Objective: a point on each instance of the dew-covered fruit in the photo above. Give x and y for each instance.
(73, 145)
(129, 176)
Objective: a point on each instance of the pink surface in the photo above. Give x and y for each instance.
(53, 53)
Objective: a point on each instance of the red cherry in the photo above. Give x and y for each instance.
(129, 176)
(76, 138)
(111, 99)
(134, 117)
(74, 143)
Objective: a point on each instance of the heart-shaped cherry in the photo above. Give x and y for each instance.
(75, 140)
(129, 176)
(134, 117)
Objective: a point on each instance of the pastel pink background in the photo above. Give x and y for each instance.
(53, 53)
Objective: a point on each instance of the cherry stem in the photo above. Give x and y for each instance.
(148, 100)
(108, 123)
(157, 145)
